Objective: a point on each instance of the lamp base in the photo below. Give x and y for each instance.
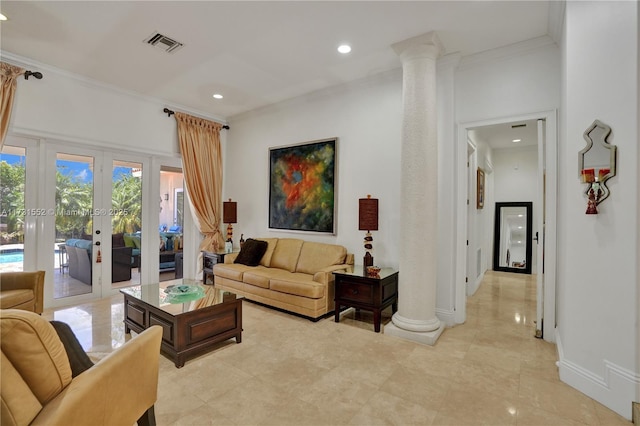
(367, 260)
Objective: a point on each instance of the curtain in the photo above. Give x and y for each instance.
(202, 167)
(8, 75)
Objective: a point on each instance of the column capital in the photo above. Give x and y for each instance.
(423, 46)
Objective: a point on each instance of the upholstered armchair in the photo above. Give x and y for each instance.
(22, 290)
(37, 386)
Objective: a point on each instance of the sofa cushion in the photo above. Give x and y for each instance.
(232, 271)
(266, 259)
(35, 350)
(251, 252)
(19, 405)
(285, 255)
(261, 276)
(315, 256)
(84, 244)
(299, 285)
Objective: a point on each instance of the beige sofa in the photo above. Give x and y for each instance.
(294, 275)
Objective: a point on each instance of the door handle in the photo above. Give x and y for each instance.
(536, 237)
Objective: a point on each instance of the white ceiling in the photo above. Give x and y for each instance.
(254, 53)
(500, 136)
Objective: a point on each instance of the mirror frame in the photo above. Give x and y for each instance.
(612, 157)
(528, 205)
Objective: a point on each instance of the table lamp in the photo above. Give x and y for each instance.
(368, 221)
(229, 216)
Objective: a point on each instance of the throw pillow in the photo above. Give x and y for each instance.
(251, 252)
(128, 241)
(78, 358)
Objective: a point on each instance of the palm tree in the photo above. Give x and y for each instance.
(127, 204)
(74, 200)
(12, 180)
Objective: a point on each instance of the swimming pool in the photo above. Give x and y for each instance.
(11, 257)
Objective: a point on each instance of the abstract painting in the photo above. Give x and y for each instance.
(302, 186)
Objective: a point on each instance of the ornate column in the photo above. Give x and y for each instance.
(416, 317)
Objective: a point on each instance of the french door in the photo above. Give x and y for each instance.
(92, 224)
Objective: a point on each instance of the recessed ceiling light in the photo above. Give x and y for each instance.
(2, 17)
(344, 48)
(516, 140)
(218, 96)
(520, 215)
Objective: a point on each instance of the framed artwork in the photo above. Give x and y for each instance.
(302, 181)
(480, 189)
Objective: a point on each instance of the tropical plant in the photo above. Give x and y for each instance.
(74, 200)
(12, 181)
(127, 204)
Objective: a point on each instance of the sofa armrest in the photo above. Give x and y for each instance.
(325, 275)
(117, 390)
(26, 281)
(230, 257)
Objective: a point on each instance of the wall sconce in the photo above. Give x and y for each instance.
(597, 164)
(166, 197)
(229, 216)
(368, 221)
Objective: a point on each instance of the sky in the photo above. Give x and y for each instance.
(80, 171)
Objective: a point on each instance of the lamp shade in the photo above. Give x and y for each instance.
(229, 211)
(368, 214)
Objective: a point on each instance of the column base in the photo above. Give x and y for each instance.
(423, 337)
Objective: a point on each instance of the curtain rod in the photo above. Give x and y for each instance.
(170, 113)
(36, 74)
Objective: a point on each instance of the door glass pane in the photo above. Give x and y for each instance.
(126, 221)
(171, 223)
(73, 231)
(12, 208)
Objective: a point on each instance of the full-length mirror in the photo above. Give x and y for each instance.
(512, 242)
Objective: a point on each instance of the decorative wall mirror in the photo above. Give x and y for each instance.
(597, 164)
(512, 241)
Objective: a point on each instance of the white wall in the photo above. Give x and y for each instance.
(366, 118)
(598, 293)
(72, 108)
(515, 80)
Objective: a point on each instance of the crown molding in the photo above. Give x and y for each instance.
(34, 65)
(511, 50)
(555, 23)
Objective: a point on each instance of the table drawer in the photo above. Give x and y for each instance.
(356, 292)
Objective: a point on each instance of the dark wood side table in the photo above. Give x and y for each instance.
(209, 259)
(357, 290)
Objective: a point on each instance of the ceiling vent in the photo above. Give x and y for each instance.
(163, 42)
(515, 126)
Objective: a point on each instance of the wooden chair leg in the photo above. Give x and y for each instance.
(148, 418)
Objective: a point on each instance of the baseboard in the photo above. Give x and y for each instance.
(616, 390)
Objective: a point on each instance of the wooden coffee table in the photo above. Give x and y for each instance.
(192, 323)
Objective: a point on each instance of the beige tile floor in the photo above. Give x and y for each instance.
(291, 371)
